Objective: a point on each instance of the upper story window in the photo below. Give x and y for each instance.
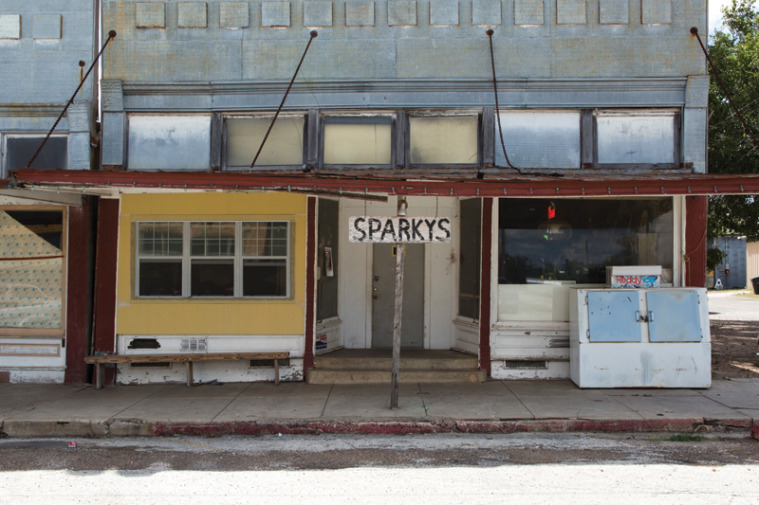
(443, 140)
(213, 259)
(284, 146)
(636, 138)
(181, 142)
(540, 139)
(358, 140)
(17, 150)
(535, 140)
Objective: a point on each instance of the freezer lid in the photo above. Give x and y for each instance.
(613, 316)
(673, 316)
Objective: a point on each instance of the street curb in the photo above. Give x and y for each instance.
(21, 428)
(402, 427)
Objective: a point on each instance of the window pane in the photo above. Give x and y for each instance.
(575, 240)
(169, 142)
(264, 239)
(262, 277)
(327, 259)
(160, 277)
(636, 138)
(212, 278)
(19, 150)
(160, 239)
(444, 140)
(284, 146)
(469, 258)
(539, 139)
(358, 143)
(212, 239)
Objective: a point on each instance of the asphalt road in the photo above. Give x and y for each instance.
(235, 453)
(728, 305)
(431, 469)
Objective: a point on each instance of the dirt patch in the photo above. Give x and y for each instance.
(734, 348)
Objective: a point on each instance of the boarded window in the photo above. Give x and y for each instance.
(284, 145)
(539, 139)
(358, 141)
(169, 142)
(635, 138)
(444, 140)
(31, 270)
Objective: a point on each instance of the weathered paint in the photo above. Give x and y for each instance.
(181, 316)
(389, 230)
(695, 241)
(504, 184)
(363, 45)
(644, 359)
(104, 293)
(310, 320)
(486, 284)
(78, 286)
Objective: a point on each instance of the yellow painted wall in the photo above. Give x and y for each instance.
(189, 316)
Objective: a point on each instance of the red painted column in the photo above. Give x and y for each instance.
(308, 354)
(104, 310)
(695, 241)
(485, 282)
(77, 288)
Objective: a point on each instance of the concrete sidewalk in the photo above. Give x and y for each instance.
(40, 410)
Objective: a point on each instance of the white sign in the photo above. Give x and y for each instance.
(399, 229)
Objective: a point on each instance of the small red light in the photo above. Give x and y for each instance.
(551, 211)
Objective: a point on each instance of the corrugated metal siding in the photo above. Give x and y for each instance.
(752, 262)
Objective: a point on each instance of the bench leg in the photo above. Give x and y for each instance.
(276, 372)
(99, 372)
(189, 373)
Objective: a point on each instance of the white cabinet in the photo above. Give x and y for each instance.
(640, 338)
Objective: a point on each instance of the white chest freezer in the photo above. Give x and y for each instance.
(640, 338)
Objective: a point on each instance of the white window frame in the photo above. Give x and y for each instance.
(238, 261)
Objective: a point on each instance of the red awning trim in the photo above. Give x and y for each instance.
(491, 186)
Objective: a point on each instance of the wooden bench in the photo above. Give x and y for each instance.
(188, 359)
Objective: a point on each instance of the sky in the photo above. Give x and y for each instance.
(715, 13)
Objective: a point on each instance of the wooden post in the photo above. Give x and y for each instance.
(400, 250)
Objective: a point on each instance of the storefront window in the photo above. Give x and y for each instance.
(469, 258)
(31, 273)
(574, 240)
(327, 260)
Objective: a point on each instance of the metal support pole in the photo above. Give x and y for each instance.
(400, 250)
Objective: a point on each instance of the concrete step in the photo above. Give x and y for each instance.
(358, 376)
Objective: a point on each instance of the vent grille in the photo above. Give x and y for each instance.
(526, 364)
(194, 345)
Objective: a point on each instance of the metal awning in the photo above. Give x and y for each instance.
(560, 185)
